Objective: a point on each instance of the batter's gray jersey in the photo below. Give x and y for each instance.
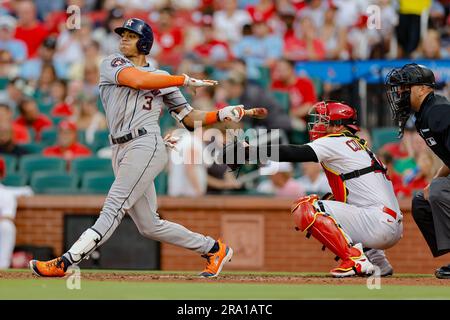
(127, 108)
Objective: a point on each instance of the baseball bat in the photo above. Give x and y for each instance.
(257, 113)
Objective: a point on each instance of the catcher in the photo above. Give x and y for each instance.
(365, 212)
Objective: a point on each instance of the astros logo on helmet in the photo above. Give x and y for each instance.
(142, 29)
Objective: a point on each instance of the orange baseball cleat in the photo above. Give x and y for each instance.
(216, 261)
(52, 268)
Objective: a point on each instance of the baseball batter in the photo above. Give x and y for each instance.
(133, 93)
(365, 212)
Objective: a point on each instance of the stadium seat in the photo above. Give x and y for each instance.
(283, 99)
(299, 137)
(96, 182)
(49, 136)
(381, 136)
(45, 108)
(161, 183)
(11, 163)
(30, 164)
(15, 180)
(166, 122)
(264, 77)
(91, 164)
(57, 120)
(50, 182)
(100, 140)
(34, 148)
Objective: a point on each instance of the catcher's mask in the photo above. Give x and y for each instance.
(398, 89)
(330, 113)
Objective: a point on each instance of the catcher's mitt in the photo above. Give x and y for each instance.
(235, 154)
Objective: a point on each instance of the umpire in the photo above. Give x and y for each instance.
(411, 88)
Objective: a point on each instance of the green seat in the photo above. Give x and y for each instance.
(318, 86)
(45, 108)
(57, 120)
(168, 69)
(49, 136)
(34, 147)
(264, 77)
(30, 164)
(3, 82)
(91, 164)
(166, 122)
(298, 137)
(381, 136)
(161, 183)
(10, 162)
(100, 140)
(283, 99)
(15, 180)
(49, 182)
(96, 182)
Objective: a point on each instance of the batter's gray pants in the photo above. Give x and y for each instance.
(433, 216)
(136, 164)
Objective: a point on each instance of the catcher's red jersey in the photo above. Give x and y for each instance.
(343, 154)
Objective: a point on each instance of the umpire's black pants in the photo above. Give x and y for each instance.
(433, 216)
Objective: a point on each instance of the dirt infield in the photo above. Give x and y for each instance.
(124, 276)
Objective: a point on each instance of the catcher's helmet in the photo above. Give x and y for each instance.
(141, 28)
(326, 113)
(398, 88)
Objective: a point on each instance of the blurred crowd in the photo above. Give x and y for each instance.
(49, 59)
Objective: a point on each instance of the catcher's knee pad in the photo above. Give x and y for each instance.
(304, 212)
(87, 243)
(323, 227)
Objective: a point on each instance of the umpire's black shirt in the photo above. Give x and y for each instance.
(433, 124)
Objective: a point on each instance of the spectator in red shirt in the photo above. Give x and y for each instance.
(302, 94)
(67, 146)
(169, 38)
(2, 168)
(20, 133)
(7, 145)
(58, 93)
(212, 51)
(264, 10)
(420, 177)
(29, 29)
(304, 44)
(32, 118)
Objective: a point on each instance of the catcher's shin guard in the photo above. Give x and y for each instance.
(87, 243)
(322, 227)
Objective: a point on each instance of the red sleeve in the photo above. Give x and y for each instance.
(306, 87)
(2, 168)
(51, 151)
(279, 86)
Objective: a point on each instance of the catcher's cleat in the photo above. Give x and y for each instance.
(357, 264)
(52, 268)
(216, 261)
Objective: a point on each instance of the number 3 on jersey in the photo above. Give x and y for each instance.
(148, 103)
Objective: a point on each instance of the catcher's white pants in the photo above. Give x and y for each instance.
(371, 227)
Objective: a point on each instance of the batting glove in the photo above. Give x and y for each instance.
(195, 83)
(231, 113)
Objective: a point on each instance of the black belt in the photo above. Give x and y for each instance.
(129, 136)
